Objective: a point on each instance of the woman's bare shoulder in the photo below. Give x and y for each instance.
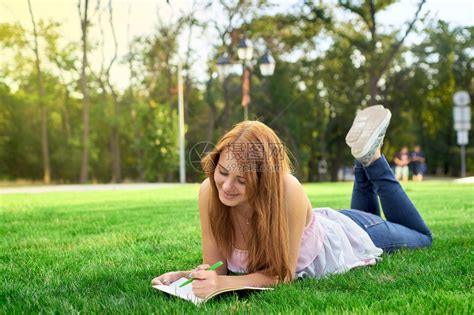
(205, 185)
(204, 191)
(290, 179)
(293, 188)
(292, 185)
(297, 201)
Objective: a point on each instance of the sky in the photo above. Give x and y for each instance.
(140, 17)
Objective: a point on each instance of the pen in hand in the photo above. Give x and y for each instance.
(213, 267)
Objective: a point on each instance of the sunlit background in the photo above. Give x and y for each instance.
(328, 65)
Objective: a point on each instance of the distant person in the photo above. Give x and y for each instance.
(402, 159)
(417, 163)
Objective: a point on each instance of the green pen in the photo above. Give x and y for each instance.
(213, 267)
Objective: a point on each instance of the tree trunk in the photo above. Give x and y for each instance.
(43, 108)
(212, 111)
(376, 71)
(312, 170)
(115, 130)
(136, 127)
(44, 145)
(115, 143)
(224, 117)
(187, 81)
(292, 147)
(373, 91)
(133, 113)
(65, 119)
(85, 97)
(336, 162)
(376, 74)
(187, 93)
(169, 79)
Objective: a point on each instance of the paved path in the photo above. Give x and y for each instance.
(78, 188)
(106, 187)
(464, 180)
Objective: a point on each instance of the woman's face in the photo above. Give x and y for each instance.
(230, 180)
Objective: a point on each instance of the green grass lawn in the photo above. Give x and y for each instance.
(96, 252)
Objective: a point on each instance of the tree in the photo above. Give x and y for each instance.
(106, 84)
(310, 101)
(374, 48)
(422, 92)
(43, 107)
(85, 94)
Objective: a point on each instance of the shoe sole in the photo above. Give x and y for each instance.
(368, 126)
(359, 123)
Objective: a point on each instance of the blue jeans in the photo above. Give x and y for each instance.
(404, 227)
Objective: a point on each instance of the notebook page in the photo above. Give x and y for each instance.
(185, 292)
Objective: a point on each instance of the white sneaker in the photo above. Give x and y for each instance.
(367, 132)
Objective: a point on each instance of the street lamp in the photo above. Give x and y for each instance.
(267, 64)
(245, 49)
(223, 65)
(245, 54)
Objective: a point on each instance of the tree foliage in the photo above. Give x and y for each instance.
(325, 72)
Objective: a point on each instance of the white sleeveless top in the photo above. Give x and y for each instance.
(345, 246)
(331, 243)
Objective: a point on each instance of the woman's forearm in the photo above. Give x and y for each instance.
(251, 280)
(184, 273)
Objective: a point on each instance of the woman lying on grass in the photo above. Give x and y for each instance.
(256, 217)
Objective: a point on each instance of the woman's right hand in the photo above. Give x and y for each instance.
(168, 278)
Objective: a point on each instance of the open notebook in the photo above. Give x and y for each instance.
(186, 292)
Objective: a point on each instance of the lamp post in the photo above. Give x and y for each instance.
(245, 54)
(182, 167)
(181, 131)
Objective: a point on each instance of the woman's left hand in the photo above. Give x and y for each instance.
(205, 282)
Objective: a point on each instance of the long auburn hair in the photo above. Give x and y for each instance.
(264, 161)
